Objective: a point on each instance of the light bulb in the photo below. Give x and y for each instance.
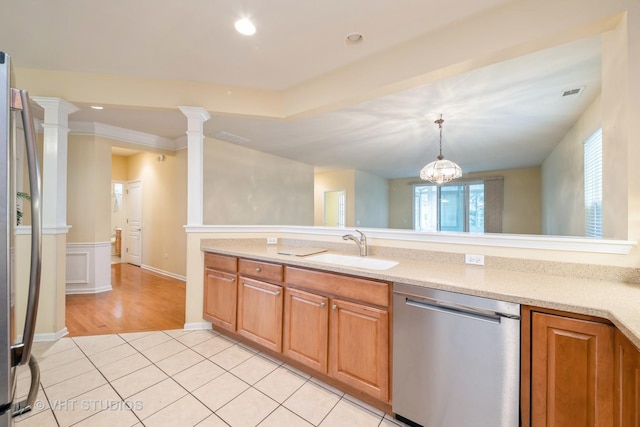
(246, 27)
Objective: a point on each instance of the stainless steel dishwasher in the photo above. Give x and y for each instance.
(456, 359)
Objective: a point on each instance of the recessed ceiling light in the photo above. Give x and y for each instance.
(246, 27)
(353, 39)
(97, 107)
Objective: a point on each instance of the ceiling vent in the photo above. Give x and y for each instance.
(573, 92)
(230, 137)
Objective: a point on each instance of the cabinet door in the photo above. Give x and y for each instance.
(359, 347)
(260, 313)
(220, 298)
(306, 328)
(627, 383)
(571, 372)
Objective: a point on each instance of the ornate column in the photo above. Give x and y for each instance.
(51, 323)
(195, 118)
(54, 163)
(195, 176)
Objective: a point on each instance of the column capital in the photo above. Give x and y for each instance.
(61, 105)
(196, 113)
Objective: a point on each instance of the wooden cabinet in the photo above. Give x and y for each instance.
(356, 312)
(336, 325)
(260, 312)
(306, 328)
(220, 290)
(220, 298)
(571, 371)
(627, 383)
(359, 347)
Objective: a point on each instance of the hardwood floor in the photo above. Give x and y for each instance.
(140, 301)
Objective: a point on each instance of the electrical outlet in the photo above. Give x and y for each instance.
(474, 259)
(272, 240)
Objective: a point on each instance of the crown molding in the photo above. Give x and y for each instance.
(181, 142)
(146, 140)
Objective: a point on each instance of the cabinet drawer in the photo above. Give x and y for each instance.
(220, 262)
(261, 270)
(365, 290)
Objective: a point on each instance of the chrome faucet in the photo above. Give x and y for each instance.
(361, 242)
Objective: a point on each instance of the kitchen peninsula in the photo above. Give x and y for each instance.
(602, 304)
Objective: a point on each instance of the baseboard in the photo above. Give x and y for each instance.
(52, 336)
(164, 273)
(72, 290)
(197, 326)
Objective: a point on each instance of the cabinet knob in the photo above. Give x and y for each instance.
(334, 306)
(322, 305)
(258, 270)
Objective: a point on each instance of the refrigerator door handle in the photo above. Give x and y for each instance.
(21, 352)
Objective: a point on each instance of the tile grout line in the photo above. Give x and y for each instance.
(105, 378)
(255, 353)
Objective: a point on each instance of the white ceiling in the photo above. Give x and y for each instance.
(501, 116)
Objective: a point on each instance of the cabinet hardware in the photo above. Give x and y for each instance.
(262, 289)
(322, 305)
(258, 270)
(334, 306)
(225, 279)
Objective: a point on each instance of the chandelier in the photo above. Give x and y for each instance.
(440, 171)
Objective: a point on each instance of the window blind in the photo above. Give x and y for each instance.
(593, 185)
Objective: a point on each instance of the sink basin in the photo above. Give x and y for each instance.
(353, 261)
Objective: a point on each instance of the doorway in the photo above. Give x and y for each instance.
(335, 208)
(126, 222)
(133, 235)
(118, 219)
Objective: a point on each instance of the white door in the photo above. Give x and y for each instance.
(133, 251)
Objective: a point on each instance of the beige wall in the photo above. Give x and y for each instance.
(88, 189)
(563, 177)
(521, 214)
(617, 98)
(119, 168)
(401, 203)
(164, 209)
(371, 200)
(522, 198)
(244, 187)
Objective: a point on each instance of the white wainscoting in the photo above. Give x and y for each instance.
(88, 268)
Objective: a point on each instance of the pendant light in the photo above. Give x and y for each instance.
(441, 170)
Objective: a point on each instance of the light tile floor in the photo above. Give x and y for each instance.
(180, 378)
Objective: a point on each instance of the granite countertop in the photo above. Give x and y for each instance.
(612, 300)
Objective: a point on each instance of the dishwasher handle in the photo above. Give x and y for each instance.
(467, 312)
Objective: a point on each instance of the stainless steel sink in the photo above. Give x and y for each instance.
(353, 261)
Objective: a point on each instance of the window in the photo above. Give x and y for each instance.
(449, 207)
(473, 205)
(593, 185)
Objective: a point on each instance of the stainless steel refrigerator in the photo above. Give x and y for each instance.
(16, 129)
